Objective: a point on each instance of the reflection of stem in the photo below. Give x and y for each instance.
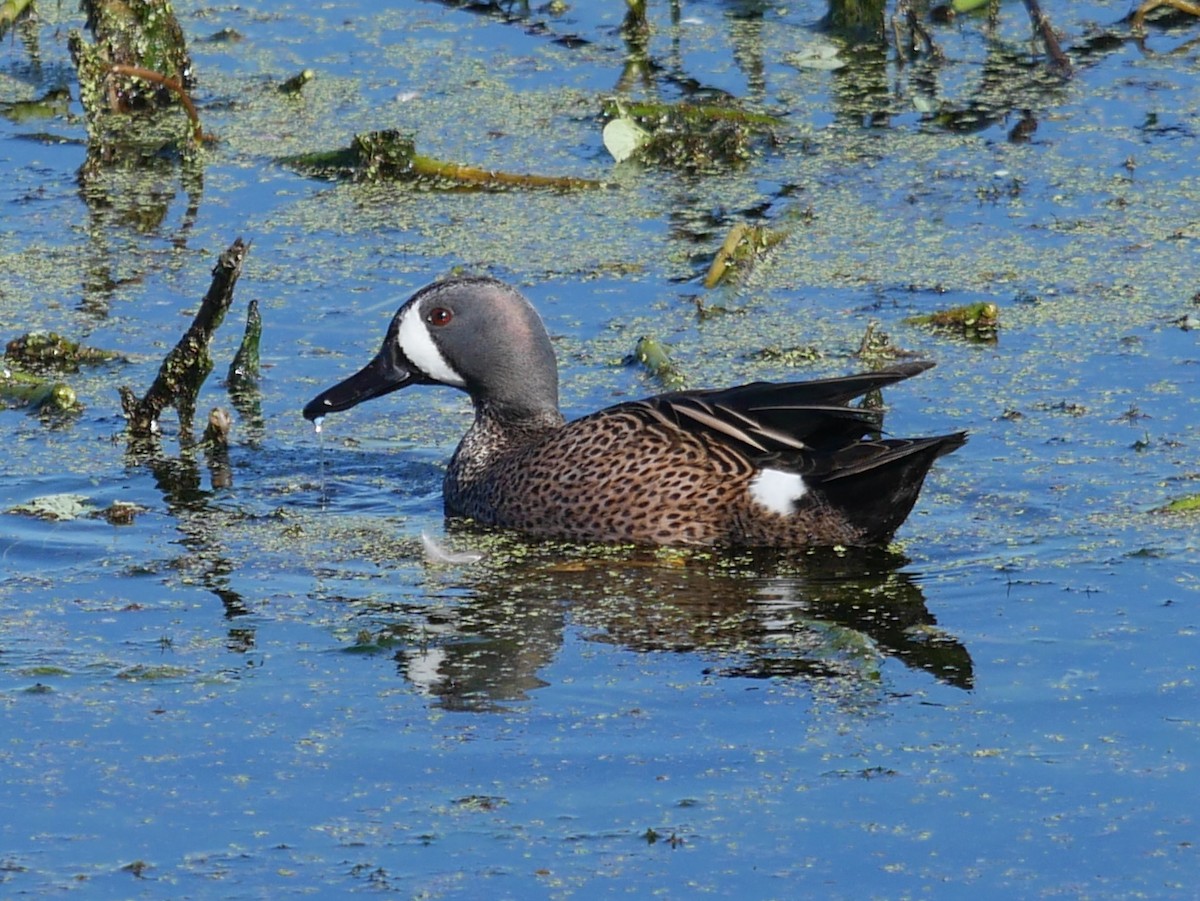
(1042, 24)
(913, 32)
(172, 84)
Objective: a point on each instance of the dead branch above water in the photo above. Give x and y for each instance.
(185, 368)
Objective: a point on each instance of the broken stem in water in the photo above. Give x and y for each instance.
(188, 364)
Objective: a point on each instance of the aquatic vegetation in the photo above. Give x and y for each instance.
(23, 389)
(742, 246)
(50, 351)
(978, 321)
(392, 156)
(651, 353)
(685, 136)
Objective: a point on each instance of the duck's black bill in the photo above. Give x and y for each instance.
(388, 372)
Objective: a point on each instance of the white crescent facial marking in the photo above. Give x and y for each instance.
(778, 491)
(417, 344)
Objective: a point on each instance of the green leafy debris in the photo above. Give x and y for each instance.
(694, 115)
(296, 83)
(43, 351)
(22, 389)
(686, 136)
(54, 104)
(974, 321)
(1185, 505)
(876, 347)
(792, 357)
(43, 670)
(160, 673)
(742, 246)
(653, 355)
(392, 156)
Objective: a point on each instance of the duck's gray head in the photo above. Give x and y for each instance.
(478, 334)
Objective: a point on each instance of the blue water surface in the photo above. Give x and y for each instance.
(262, 687)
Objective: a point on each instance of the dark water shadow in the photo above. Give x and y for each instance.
(486, 639)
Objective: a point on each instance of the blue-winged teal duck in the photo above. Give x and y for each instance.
(780, 465)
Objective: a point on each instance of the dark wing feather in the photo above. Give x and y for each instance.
(875, 483)
(864, 456)
(836, 391)
(784, 422)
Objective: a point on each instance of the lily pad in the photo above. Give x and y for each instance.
(622, 138)
(816, 56)
(56, 507)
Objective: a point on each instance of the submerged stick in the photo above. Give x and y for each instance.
(188, 364)
(741, 249)
(724, 257)
(426, 167)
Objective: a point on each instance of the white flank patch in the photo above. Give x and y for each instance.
(778, 491)
(417, 344)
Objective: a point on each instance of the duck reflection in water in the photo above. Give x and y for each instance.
(825, 615)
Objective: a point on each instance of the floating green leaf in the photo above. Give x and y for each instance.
(1188, 504)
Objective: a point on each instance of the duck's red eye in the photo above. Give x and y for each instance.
(440, 316)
